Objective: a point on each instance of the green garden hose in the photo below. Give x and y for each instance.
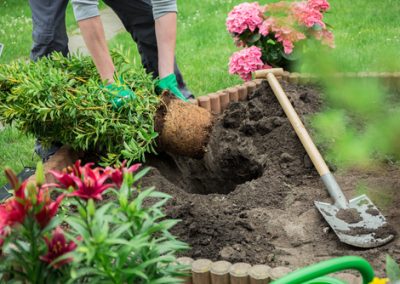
(313, 274)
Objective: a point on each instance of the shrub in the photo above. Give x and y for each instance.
(60, 99)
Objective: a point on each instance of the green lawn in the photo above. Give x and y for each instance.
(16, 149)
(365, 31)
(16, 28)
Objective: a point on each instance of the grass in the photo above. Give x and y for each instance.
(16, 28)
(16, 149)
(365, 31)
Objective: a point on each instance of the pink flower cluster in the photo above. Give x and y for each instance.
(306, 15)
(244, 16)
(284, 34)
(320, 5)
(246, 61)
(285, 23)
(91, 183)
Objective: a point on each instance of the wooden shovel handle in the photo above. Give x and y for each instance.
(298, 126)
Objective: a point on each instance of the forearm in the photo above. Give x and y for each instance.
(93, 33)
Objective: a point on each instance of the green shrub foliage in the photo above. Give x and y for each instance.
(61, 99)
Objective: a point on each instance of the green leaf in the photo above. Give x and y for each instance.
(392, 270)
(78, 225)
(254, 38)
(141, 174)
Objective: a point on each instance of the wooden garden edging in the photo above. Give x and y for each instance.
(217, 102)
(204, 271)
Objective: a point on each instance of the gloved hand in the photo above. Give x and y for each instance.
(169, 83)
(119, 93)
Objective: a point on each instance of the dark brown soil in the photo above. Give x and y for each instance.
(350, 216)
(251, 197)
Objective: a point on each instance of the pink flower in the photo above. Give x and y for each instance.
(57, 247)
(244, 16)
(320, 5)
(66, 176)
(306, 15)
(246, 61)
(87, 182)
(267, 26)
(15, 209)
(117, 173)
(48, 208)
(92, 184)
(288, 37)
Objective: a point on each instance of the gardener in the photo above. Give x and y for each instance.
(49, 34)
(164, 13)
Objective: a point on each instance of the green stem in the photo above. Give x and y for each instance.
(34, 251)
(88, 223)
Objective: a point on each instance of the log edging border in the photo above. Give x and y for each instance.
(218, 101)
(205, 271)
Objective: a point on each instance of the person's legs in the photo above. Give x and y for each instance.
(49, 32)
(137, 17)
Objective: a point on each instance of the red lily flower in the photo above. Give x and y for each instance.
(57, 247)
(64, 177)
(92, 184)
(12, 212)
(15, 209)
(48, 208)
(117, 173)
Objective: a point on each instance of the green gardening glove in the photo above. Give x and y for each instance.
(119, 93)
(169, 83)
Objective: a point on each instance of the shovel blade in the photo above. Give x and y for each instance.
(360, 225)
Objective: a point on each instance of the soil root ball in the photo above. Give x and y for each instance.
(184, 128)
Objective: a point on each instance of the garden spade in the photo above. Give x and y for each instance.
(356, 222)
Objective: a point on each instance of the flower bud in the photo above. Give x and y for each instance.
(90, 207)
(32, 192)
(40, 179)
(82, 212)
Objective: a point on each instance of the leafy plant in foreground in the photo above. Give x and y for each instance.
(118, 241)
(62, 99)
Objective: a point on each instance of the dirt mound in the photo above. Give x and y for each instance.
(251, 197)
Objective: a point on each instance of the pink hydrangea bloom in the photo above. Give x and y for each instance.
(246, 61)
(307, 15)
(244, 16)
(288, 37)
(320, 5)
(267, 26)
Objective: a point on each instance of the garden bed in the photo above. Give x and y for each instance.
(250, 199)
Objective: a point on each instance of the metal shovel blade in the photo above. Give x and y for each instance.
(361, 224)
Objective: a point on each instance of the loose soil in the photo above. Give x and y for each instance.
(250, 198)
(350, 216)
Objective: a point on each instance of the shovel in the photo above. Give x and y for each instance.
(356, 222)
